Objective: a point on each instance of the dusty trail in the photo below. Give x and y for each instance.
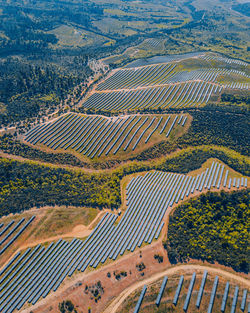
(113, 307)
(152, 86)
(78, 234)
(79, 231)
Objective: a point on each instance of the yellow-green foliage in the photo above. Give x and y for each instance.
(27, 184)
(212, 227)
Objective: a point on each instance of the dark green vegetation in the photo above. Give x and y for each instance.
(67, 307)
(25, 185)
(45, 51)
(40, 62)
(227, 98)
(218, 128)
(9, 145)
(212, 227)
(189, 159)
(45, 44)
(25, 23)
(29, 27)
(28, 91)
(209, 127)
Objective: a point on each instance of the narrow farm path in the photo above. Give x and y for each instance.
(79, 231)
(153, 86)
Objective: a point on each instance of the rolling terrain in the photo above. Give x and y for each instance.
(124, 156)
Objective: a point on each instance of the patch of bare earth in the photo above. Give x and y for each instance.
(73, 289)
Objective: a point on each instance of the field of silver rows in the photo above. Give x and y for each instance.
(94, 136)
(38, 271)
(202, 293)
(169, 84)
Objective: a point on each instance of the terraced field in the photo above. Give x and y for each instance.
(170, 84)
(152, 44)
(148, 199)
(175, 95)
(96, 136)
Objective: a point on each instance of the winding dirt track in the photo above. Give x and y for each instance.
(113, 307)
(79, 231)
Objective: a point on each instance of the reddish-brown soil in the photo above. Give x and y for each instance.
(112, 287)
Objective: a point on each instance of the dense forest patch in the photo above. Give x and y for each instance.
(219, 128)
(24, 185)
(237, 99)
(27, 90)
(213, 227)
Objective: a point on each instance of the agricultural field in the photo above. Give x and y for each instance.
(187, 291)
(169, 82)
(100, 136)
(149, 197)
(69, 36)
(10, 232)
(46, 224)
(124, 156)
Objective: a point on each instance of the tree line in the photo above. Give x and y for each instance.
(24, 185)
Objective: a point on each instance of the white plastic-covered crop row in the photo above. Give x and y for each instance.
(97, 135)
(36, 272)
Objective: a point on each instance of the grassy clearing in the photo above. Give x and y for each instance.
(49, 222)
(69, 36)
(61, 220)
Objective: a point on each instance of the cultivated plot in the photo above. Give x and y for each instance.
(186, 292)
(96, 136)
(148, 199)
(171, 84)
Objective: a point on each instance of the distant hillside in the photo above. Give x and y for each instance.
(243, 8)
